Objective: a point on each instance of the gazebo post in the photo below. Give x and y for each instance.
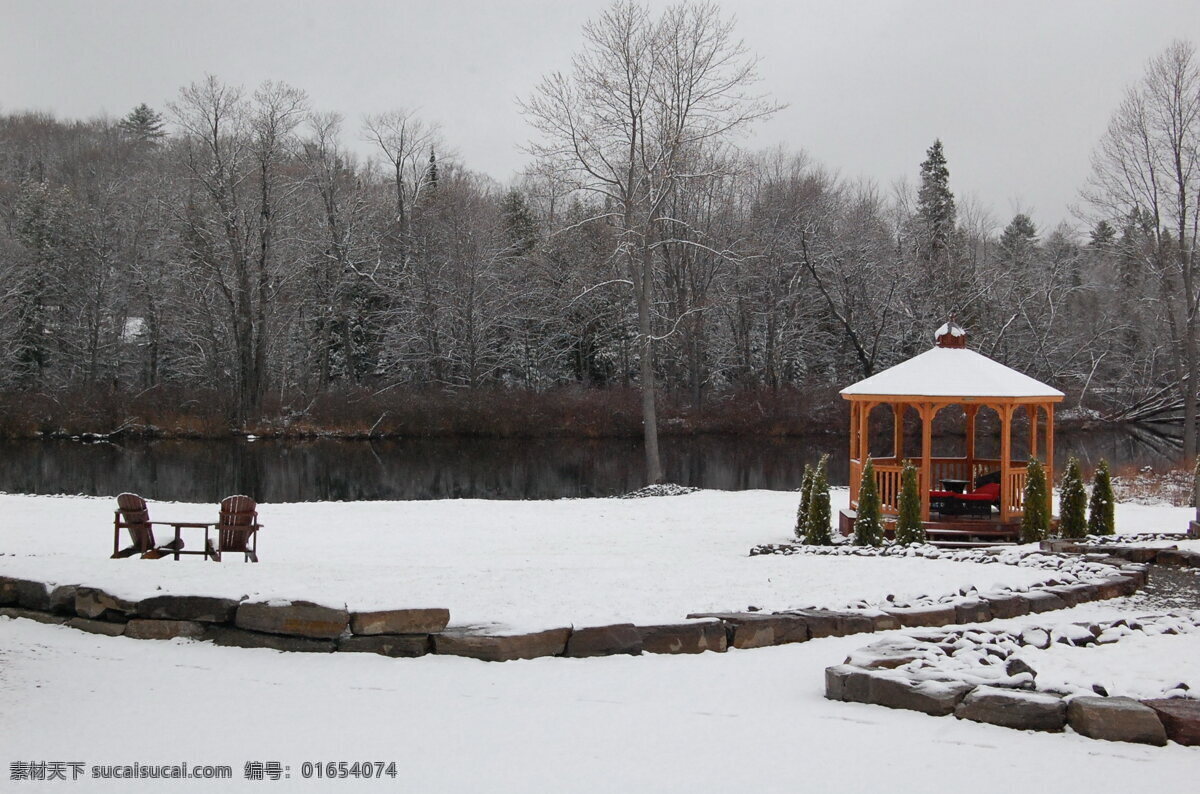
(926, 452)
(1006, 414)
(1032, 411)
(1049, 459)
(898, 432)
(971, 410)
(854, 410)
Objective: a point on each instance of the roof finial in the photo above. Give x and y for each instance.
(951, 334)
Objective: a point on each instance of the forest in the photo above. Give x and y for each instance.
(233, 262)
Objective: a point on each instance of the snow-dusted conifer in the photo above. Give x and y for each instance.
(909, 528)
(1102, 518)
(1072, 502)
(868, 525)
(817, 531)
(802, 511)
(1035, 524)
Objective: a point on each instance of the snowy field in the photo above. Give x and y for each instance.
(751, 720)
(536, 564)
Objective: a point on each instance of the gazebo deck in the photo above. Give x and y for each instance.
(951, 531)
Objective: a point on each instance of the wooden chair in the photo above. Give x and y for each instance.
(132, 514)
(237, 529)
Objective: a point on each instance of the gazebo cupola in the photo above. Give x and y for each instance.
(951, 374)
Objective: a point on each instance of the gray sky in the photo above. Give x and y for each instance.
(1019, 92)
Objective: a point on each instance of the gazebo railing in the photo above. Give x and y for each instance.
(888, 478)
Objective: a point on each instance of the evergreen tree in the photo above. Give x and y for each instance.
(1019, 237)
(1072, 502)
(1101, 515)
(909, 528)
(1103, 236)
(868, 525)
(1035, 524)
(935, 202)
(520, 226)
(431, 173)
(817, 531)
(805, 492)
(143, 124)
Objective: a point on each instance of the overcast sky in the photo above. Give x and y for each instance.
(1019, 92)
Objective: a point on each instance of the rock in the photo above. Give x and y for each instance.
(62, 599)
(32, 614)
(1135, 553)
(1180, 718)
(604, 641)
(91, 602)
(974, 611)
(297, 619)
(1075, 594)
(932, 616)
(1109, 588)
(882, 620)
(756, 630)
(400, 621)
(1028, 711)
(1016, 666)
(821, 622)
(694, 637)
(501, 647)
(97, 626)
(880, 658)
(1175, 557)
(32, 595)
(1116, 720)
(240, 638)
(936, 698)
(1043, 601)
(1193, 529)
(1006, 605)
(148, 629)
(205, 609)
(405, 646)
(848, 683)
(8, 591)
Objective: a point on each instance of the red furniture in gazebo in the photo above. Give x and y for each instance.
(955, 489)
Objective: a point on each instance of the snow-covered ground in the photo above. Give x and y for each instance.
(751, 720)
(535, 564)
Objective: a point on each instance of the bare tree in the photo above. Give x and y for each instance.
(642, 97)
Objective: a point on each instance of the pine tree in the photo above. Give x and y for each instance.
(1072, 502)
(1019, 237)
(935, 202)
(1101, 514)
(868, 525)
(805, 492)
(1035, 524)
(909, 528)
(431, 173)
(143, 124)
(817, 531)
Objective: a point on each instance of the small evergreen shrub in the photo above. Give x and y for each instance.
(805, 494)
(1072, 502)
(909, 528)
(817, 531)
(1102, 519)
(1035, 524)
(868, 525)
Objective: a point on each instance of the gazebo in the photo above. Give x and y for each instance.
(950, 374)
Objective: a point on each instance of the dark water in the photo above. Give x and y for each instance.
(327, 470)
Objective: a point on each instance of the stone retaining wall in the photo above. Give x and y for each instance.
(974, 675)
(307, 627)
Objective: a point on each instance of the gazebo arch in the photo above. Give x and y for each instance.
(946, 375)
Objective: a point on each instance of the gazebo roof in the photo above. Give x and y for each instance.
(944, 372)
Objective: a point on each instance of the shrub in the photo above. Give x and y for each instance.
(868, 525)
(909, 528)
(805, 494)
(1035, 524)
(1072, 502)
(1102, 518)
(817, 531)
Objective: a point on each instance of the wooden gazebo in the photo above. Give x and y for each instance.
(946, 375)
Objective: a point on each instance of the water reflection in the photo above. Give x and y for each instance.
(328, 470)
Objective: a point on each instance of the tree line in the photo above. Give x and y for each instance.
(235, 247)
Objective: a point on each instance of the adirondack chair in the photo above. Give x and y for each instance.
(237, 529)
(132, 514)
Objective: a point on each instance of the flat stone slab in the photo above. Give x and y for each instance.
(883, 658)
(974, 611)
(398, 646)
(1007, 605)
(31, 595)
(1043, 601)
(240, 638)
(297, 619)
(97, 626)
(92, 602)
(847, 682)
(694, 637)
(621, 638)
(32, 614)
(1116, 719)
(501, 647)
(915, 617)
(1180, 718)
(62, 599)
(400, 621)
(758, 630)
(882, 620)
(1031, 711)
(936, 698)
(150, 629)
(206, 609)
(1176, 557)
(1075, 594)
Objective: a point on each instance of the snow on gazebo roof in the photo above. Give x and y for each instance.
(951, 370)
